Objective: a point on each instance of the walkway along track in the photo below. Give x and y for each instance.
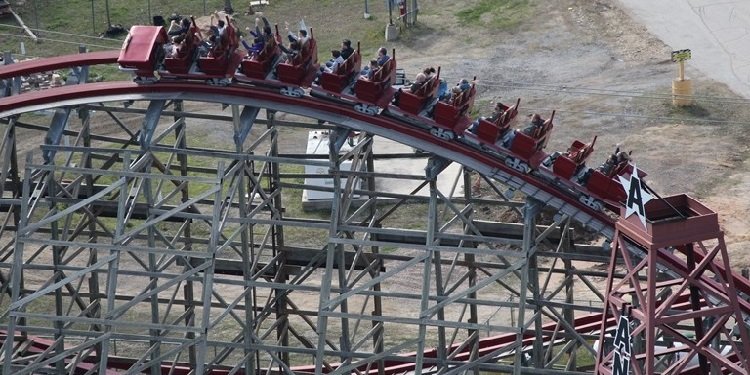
(73, 95)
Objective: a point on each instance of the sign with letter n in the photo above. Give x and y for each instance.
(622, 347)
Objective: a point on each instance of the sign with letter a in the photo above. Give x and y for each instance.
(637, 196)
(623, 346)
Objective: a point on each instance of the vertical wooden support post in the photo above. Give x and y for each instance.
(682, 87)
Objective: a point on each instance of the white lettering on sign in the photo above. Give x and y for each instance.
(637, 196)
(623, 347)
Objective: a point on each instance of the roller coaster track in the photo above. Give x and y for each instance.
(70, 96)
(316, 108)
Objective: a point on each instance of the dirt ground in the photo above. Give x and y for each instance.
(606, 76)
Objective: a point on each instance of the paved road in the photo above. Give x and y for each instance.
(717, 32)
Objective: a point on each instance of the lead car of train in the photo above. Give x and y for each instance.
(149, 53)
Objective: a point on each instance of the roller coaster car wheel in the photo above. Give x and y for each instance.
(218, 82)
(442, 133)
(366, 109)
(547, 162)
(593, 203)
(518, 165)
(294, 92)
(145, 81)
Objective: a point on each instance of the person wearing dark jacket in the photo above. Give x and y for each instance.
(346, 49)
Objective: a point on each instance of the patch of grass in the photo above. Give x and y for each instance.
(370, 38)
(410, 37)
(481, 107)
(63, 25)
(373, 36)
(692, 111)
(500, 14)
(110, 73)
(408, 216)
(292, 201)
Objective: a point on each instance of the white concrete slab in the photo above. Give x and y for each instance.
(716, 31)
(446, 181)
(449, 181)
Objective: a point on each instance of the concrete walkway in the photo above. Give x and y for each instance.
(717, 32)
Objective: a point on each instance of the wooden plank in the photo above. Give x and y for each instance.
(20, 22)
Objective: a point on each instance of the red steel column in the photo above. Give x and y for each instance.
(678, 292)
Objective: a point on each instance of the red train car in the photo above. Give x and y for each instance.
(607, 186)
(373, 94)
(299, 71)
(446, 120)
(489, 134)
(223, 58)
(452, 117)
(259, 66)
(368, 94)
(570, 163)
(415, 102)
(142, 51)
(181, 60)
(528, 146)
(344, 74)
(271, 68)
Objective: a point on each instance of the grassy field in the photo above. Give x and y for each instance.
(62, 26)
(495, 14)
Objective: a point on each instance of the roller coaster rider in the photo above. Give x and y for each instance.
(346, 49)
(535, 126)
(497, 111)
(614, 162)
(537, 123)
(211, 43)
(381, 58)
(183, 29)
(266, 34)
(610, 168)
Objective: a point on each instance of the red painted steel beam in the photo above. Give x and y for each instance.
(209, 93)
(47, 64)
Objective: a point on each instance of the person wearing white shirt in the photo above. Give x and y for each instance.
(335, 62)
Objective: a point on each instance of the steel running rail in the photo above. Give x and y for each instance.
(58, 62)
(467, 155)
(321, 110)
